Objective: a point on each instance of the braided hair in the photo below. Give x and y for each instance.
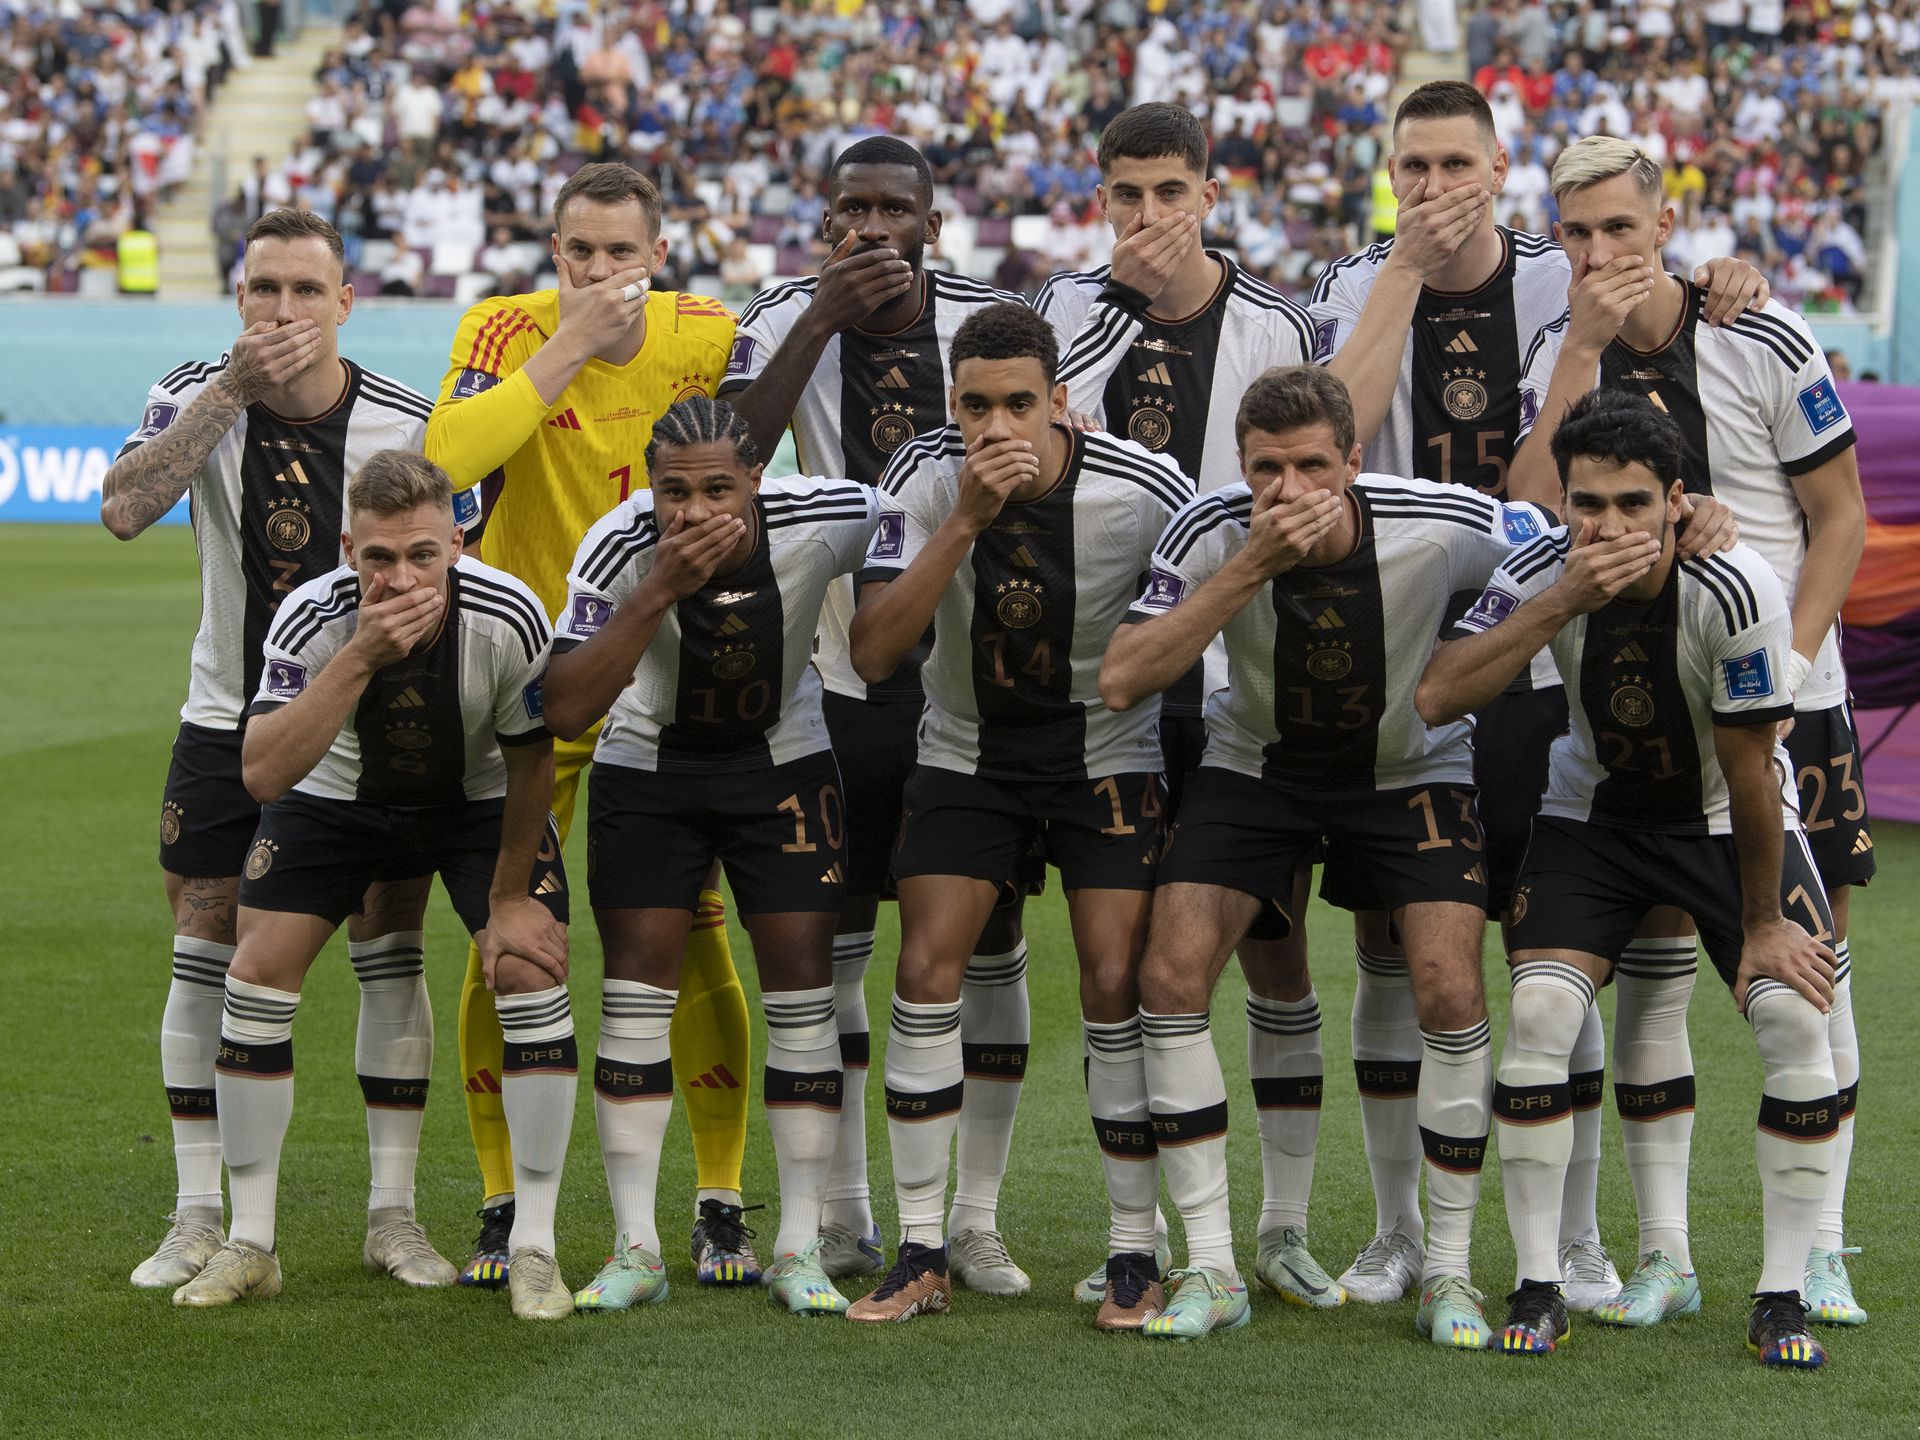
(700, 420)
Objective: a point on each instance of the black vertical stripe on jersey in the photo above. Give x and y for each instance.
(1670, 377)
(413, 736)
(290, 518)
(1023, 647)
(871, 416)
(1466, 400)
(1652, 768)
(725, 704)
(1161, 395)
(1329, 728)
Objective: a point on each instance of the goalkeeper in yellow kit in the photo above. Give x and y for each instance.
(547, 405)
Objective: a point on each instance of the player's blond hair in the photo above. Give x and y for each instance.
(608, 182)
(1601, 157)
(393, 482)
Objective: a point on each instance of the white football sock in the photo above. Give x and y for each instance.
(632, 1102)
(1586, 1083)
(254, 1081)
(539, 1080)
(1117, 1096)
(1653, 1087)
(924, 1084)
(393, 1056)
(1846, 1075)
(802, 1084)
(1799, 1118)
(1286, 1065)
(849, 1200)
(189, 1041)
(1386, 1066)
(1187, 1097)
(1456, 1095)
(996, 1027)
(1533, 1103)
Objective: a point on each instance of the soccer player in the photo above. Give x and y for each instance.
(396, 732)
(1766, 434)
(689, 624)
(1428, 330)
(1020, 540)
(1160, 345)
(263, 441)
(547, 404)
(1670, 789)
(856, 360)
(1328, 586)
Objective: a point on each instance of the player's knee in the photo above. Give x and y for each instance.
(1546, 1014)
(1787, 1027)
(1172, 982)
(1109, 979)
(514, 976)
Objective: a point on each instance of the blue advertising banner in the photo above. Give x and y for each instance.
(52, 473)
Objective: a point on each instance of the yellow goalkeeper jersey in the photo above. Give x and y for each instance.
(548, 472)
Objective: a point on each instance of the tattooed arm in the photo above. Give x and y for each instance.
(148, 480)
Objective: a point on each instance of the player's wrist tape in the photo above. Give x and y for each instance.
(1125, 297)
(1798, 669)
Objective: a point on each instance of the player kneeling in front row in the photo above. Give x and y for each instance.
(397, 734)
(1328, 586)
(1667, 791)
(689, 624)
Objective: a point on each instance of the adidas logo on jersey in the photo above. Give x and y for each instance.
(834, 876)
(407, 699)
(718, 1078)
(1633, 654)
(293, 475)
(565, 420)
(549, 884)
(1329, 619)
(895, 379)
(1462, 344)
(732, 625)
(1155, 375)
(1023, 557)
(1476, 876)
(1863, 844)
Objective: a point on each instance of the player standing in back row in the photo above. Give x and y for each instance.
(857, 361)
(1767, 435)
(1160, 345)
(547, 404)
(264, 440)
(1428, 330)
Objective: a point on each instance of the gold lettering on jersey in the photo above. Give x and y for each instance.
(288, 527)
(625, 412)
(1643, 375)
(1151, 424)
(1459, 313)
(1161, 347)
(1330, 662)
(297, 447)
(405, 735)
(260, 859)
(732, 597)
(170, 814)
(1464, 396)
(1327, 592)
(734, 662)
(888, 356)
(1003, 525)
(894, 425)
(1019, 605)
(1632, 705)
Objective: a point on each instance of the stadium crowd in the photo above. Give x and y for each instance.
(100, 106)
(1768, 116)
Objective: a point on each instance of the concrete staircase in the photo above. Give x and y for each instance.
(1417, 67)
(257, 112)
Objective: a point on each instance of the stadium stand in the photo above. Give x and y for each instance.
(1768, 115)
(100, 109)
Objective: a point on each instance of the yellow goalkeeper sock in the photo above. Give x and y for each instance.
(481, 1050)
(712, 1049)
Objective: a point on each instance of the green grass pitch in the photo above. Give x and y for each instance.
(93, 648)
